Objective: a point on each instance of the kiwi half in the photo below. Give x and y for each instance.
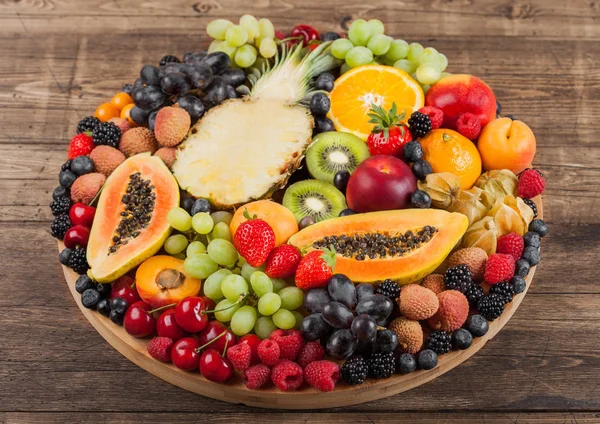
(334, 151)
(314, 198)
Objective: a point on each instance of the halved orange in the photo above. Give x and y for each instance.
(356, 90)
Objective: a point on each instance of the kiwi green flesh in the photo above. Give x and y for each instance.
(334, 151)
(314, 198)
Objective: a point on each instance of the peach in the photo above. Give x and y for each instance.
(506, 144)
(280, 218)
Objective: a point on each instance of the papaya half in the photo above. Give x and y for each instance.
(130, 224)
(402, 245)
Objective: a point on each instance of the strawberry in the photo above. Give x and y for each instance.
(283, 261)
(254, 239)
(389, 134)
(80, 145)
(315, 269)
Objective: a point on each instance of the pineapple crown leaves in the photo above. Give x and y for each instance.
(384, 120)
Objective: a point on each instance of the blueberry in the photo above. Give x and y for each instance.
(428, 359)
(201, 205)
(64, 255)
(104, 289)
(347, 212)
(532, 239)
(477, 325)
(421, 168)
(82, 165)
(420, 199)
(103, 307)
(83, 283)
(386, 341)
(323, 125)
(407, 363)
(152, 119)
(462, 339)
(233, 77)
(412, 151)
(518, 283)
(532, 255)
(340, 180)
(116, 317)
(325, 82)
(175, 84)
(66, 178)
(187, 203)
(59, 192)
(330, 36)
(522, 267)
(90, 298)
(192, 105)
(150, 75)
(139, 115)
(119, 305)
(319, 104)
(538, 226)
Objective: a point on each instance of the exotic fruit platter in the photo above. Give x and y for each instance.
(300, 219)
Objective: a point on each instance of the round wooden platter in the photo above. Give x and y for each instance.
(234, 391)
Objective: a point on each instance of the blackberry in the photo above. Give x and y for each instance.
(389, 289)
(60, 206)
(504, 289)
(474, 293)
(355, 371)
(459, 278)
(419, 124)
(87, 124)
(439, 341)
(169, 59)
(60, 225)
(381, 365)
(533, 207)
(106, 134)
(491, 306)
(78, 262)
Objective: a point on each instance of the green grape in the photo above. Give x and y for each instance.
(429, 55)
(443, 62)
(359, 56)
(445, 74)
(261, 283)
(221, 231)
(179, 256)
(217, 28)
(414, 51)
(268, 48)
(227, 49)
(222, 216)
(222, 252)
(359, 32)
(236, 36)
(245, 56)
(214, 45)
(212, 285)
(376, 26)
(425, 88)
(225, 310)
(269, 304)
(199, 266)
(406, 65)
(284, 319)
(291, 297)
(344, 68)
(428, 73)
(267, 30)
(195, 248)
(179, 219)
(264, 327)
(233, 286)
(175, 244)
(398, 50)
(340, 47)
(248, 270)
(278, 284)
(242, 321)
(251, 25)
(299, 318)
(379, 44)
(202, 223)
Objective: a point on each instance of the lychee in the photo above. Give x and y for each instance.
(123, 124)
(86, 187)
(452, 313)
(474, 257)
(410, 334)
(106, 159)
(434, 282)
(171, 126)
(137, 140)
(167, 154)
(417, 303)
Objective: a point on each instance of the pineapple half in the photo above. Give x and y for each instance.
(245, 149)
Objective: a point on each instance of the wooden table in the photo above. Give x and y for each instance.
(61, 59)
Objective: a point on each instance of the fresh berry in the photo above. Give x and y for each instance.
(116, 317)
(459, 278)
(64, 255)
(406, 363)
(420, 199)
(268, 352)
(66, 178)
(355, 371)
(419, 124)
(436, 116)
(254, 239)
(184, 354)
(538, 226)
(381, 365)
(78, 261)
(240, 356)
(253, 341)
(66, 166)
(511, 244)
(307, 33)
(344, 212)
(469, 125)
(169, 59)
(104, 289)
(385, 341)
(340, 181)
(103, 307)
(491, 306)
(531, 255)
(290, 342)
(427, 359)
(60, 192)
(421, 168)
(160, 348)
(138, 322)
(315, 269)
(80, 145)
(412, 151)
(82, 165)
(499, 267)
(330, 36)
(462, 339)
(283, 261)
(474, 293)
(532, 239)
(310, 352)
(504, 289)
(325, 81)
(322, 375)
(119, 305)
(257, 376)
(531, 184)
(439, 341)
(477, 325)
(60, 226)
(87, 124)
(83, 283)
(200, 205)
(77, 235)
(287, 375)
(90, 298)
(127, 88)
(389, 289)
(60, 206)
(519, 284)
(389, 134)
(522, 268)
(532, 205)
(106, 134)
(319, 104)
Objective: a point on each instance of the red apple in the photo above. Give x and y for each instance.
(380, 183)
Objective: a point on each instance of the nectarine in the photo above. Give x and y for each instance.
(280, 218)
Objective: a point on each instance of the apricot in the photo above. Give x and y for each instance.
(161, 281)
(506, 144)
(280, 218)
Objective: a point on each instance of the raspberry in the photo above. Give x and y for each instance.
(290, 342)
(511, 244)
(256, 376)
(240, 355)
(310, 352)
(436, 116)
(268, 352)
(499, 267)
(531, 183)
(287, 375)
(160, 348)
(322, 375)
(469, 126)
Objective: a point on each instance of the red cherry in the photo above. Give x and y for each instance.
(189, 314)
(81, 214)
(210, 304)
(253, 341)
(213, 330)
(77, 235)
(313, 45)
(214, 367)
(307, 32)
(124, 288)
(138, 322)
(184, 355)
(166, 326)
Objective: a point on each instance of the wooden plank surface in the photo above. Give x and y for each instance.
(60, 59)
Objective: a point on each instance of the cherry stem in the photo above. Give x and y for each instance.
(132, 286)
(170, 305)
(198, 349)
(225, 348)
(242, 297)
